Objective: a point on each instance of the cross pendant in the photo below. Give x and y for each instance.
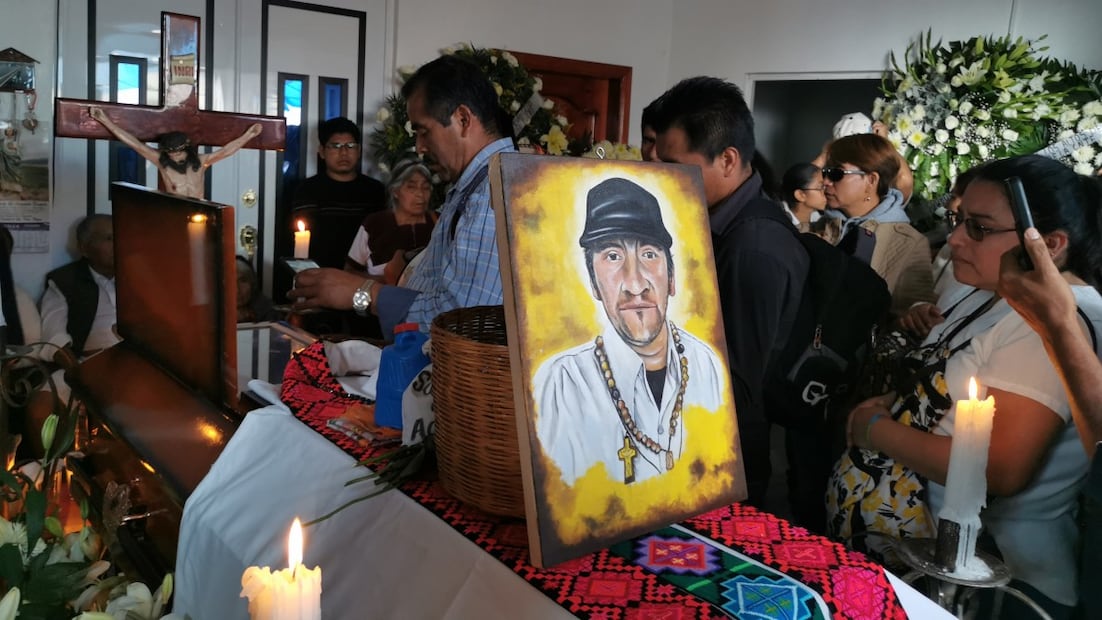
(627, 455)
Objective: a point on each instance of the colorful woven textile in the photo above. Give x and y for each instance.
(732, 562)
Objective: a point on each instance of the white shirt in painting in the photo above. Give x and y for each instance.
(577, 423)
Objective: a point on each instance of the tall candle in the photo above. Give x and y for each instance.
(302, 241)
(966, 482)
(197, 244)
(293, 593)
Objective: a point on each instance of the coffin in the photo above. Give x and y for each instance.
(162, 403)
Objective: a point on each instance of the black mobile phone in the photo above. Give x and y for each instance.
(299, 264)
(1023, 219)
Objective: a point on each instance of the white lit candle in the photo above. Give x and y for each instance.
(302, 241)
(966, 482)
(197, 244)
(293, 593)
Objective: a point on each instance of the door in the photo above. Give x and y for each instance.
(314, 65)
(595, 97)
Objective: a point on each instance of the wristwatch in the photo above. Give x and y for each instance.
(361, 299)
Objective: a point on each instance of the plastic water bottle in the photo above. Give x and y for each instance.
(398, 367)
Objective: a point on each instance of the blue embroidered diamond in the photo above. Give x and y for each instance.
(762, 597)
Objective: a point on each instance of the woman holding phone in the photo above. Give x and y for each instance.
(891, 481)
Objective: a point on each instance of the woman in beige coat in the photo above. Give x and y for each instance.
(857, 179)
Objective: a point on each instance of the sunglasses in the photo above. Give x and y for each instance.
(975, 230)
(341, 146)
(835, 175)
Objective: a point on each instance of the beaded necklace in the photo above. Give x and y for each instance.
(633, 432)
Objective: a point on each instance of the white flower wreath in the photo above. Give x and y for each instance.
(952, 106)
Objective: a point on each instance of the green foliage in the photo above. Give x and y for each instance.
(388, 470)
(50, 568)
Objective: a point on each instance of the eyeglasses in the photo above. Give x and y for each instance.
(342, 146)
(975, 230)
(835, 175)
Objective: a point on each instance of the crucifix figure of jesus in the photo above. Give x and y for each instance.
(179, 163)
(178, 125)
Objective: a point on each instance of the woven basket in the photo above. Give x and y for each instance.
(472, 391)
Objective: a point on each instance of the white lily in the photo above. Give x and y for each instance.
(137, 599)
(1083, 154)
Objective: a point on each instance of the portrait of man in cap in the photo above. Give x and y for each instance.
(617, 399)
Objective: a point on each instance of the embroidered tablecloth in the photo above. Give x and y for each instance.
(732, 562)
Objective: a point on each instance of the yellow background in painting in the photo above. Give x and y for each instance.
(558, 312)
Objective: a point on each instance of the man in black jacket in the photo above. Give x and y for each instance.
(760, 265)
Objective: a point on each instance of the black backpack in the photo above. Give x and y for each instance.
(843, 304)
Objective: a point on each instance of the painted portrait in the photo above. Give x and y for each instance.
(623, 395)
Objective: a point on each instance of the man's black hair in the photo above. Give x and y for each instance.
(338, 124)
(650, 113)
(84, 227)
(173, 141)
(712, 113)
(450, 81)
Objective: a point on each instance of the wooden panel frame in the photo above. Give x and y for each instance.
(592, 476)
(618, 77)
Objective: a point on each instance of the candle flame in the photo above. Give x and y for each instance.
(973, 389)
(294, 545)
(198, 218)
(301, 226)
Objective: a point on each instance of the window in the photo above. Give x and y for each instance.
(333, 97)
(293, 97)
(128, 85)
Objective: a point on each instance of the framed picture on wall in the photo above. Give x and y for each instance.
(625, 415)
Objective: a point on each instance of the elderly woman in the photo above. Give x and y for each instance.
(858, 185)
(1036, 463)
(383, 241)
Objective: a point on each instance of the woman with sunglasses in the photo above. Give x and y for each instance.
(901, 441)
(857, 183)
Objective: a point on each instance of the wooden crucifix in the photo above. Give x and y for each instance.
(179, 112)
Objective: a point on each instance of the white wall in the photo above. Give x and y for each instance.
(738, 40)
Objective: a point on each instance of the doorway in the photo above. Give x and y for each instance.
(793, 118)
(312, 69)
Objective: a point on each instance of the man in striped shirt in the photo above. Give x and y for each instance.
(458, 126)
